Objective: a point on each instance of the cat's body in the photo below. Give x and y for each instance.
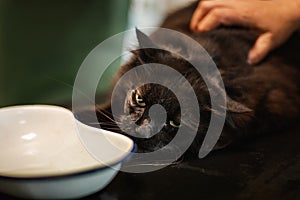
(263, 98)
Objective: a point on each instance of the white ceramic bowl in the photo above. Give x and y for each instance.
(42, 157)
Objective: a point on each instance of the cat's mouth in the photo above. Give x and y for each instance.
(144, 131)
(147, 130)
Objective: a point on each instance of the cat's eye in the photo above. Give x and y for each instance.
(139, 100)
(174, 124)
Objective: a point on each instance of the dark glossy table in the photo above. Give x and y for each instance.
(267, 168)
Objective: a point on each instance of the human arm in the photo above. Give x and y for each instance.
(276, 20)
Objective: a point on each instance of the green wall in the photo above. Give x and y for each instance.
(43, 43)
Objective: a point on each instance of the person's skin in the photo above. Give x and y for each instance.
(275, 19)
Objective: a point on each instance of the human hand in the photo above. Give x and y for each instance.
(275, 19)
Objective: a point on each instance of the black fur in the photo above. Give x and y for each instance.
(261, 99)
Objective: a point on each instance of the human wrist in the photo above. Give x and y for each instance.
(289, 10)
(293, 11)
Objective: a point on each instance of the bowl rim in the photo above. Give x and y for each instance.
(73, 172)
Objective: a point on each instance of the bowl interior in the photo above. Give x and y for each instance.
(42, 141)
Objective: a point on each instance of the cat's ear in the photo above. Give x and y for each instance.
(148, 49)
(237, 114)
(236, 107)
(143, 40)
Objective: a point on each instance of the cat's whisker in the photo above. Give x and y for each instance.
(148, 164)
(71, 86)
(106, 115)
(103, 123)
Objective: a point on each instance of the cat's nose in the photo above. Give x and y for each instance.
(146, 121)
(143, 121)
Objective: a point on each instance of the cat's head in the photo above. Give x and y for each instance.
(134, 118)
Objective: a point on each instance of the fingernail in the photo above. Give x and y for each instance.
(251, 58)
(200, 28)
(249, 61)
(193, 28)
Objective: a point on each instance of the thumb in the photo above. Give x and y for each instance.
(261, 48)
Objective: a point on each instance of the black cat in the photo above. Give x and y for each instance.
(260, 99)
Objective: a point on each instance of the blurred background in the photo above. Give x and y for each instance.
(43, 43)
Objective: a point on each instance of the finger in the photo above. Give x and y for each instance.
(197, 16)
(209, 22)
(261, 48)
(201, 11)
(216, 17)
